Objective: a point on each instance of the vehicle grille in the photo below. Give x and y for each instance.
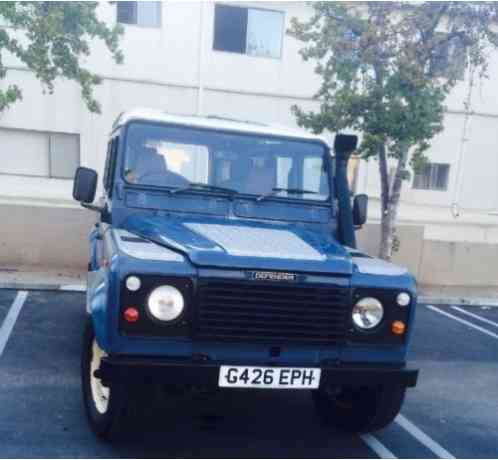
(274, 313)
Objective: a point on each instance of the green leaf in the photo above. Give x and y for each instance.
(56, 36)
(386, 69)
(376, 63)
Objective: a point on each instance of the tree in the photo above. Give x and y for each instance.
(386, 69)
(50, 38)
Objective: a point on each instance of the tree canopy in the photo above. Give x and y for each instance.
(386, 70)
(51, 38)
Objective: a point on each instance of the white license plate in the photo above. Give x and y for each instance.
(292, 378)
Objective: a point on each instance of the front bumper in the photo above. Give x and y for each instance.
(177, 371)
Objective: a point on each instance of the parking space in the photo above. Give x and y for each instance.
(7, 296)
(456, 401)
(452, 412)
(485, 316)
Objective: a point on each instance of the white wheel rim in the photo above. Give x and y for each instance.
(100, 393)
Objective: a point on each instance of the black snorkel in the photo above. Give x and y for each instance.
(344, 146)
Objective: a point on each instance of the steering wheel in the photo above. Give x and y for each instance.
(155, 177)
(168, 178)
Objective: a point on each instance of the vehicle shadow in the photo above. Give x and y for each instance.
(232, 424)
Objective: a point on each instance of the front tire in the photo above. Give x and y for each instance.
(359, 409)
(105, 406)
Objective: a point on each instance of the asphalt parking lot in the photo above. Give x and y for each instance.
(452, 412)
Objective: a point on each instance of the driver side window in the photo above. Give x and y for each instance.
(112, 147)
(190, 161)
(284, 166)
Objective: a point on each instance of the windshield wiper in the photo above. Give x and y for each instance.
(200, 185)
(294, 191)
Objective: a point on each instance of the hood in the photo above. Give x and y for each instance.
(241, 244)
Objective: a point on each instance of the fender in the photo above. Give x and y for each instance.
(99, 282)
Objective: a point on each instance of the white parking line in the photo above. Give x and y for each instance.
(11, 318)
(73, 287)
(473, 315)
(418, 434)
(380, 449)
(463, 321)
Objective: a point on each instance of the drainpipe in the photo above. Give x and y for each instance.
(344, 146)
(200, 92)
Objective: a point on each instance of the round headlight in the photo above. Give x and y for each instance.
(367, 313)
(403, 299)
(165, 303)
(133, 283)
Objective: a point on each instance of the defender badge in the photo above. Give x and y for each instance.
(273, 276)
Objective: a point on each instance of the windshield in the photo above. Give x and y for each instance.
(180, 157)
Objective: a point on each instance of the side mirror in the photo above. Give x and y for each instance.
(85, 185)
(345, 143)
(360, 208)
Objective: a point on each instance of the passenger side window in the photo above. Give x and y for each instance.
(313, 176)
(306, 173)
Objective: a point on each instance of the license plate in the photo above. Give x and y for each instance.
(292, 378)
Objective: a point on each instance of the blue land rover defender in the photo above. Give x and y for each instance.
(224, 256)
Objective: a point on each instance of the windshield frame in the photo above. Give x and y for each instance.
(328, 201)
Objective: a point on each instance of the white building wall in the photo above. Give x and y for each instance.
(175, 68)
(167, 68)
(473, 157)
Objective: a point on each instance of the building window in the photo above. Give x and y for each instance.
(64, 155)
(433, 176)
(144, 14)
(248, 31)
(449, 61)
(34, 153)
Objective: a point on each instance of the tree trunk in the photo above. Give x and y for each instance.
(385, 244)
(390, 210)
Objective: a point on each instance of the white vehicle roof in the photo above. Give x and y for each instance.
(215, 123)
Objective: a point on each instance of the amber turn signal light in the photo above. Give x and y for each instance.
(398, 327)
(131, 315)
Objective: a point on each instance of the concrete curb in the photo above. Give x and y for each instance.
(43, 287)
(470, 301)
